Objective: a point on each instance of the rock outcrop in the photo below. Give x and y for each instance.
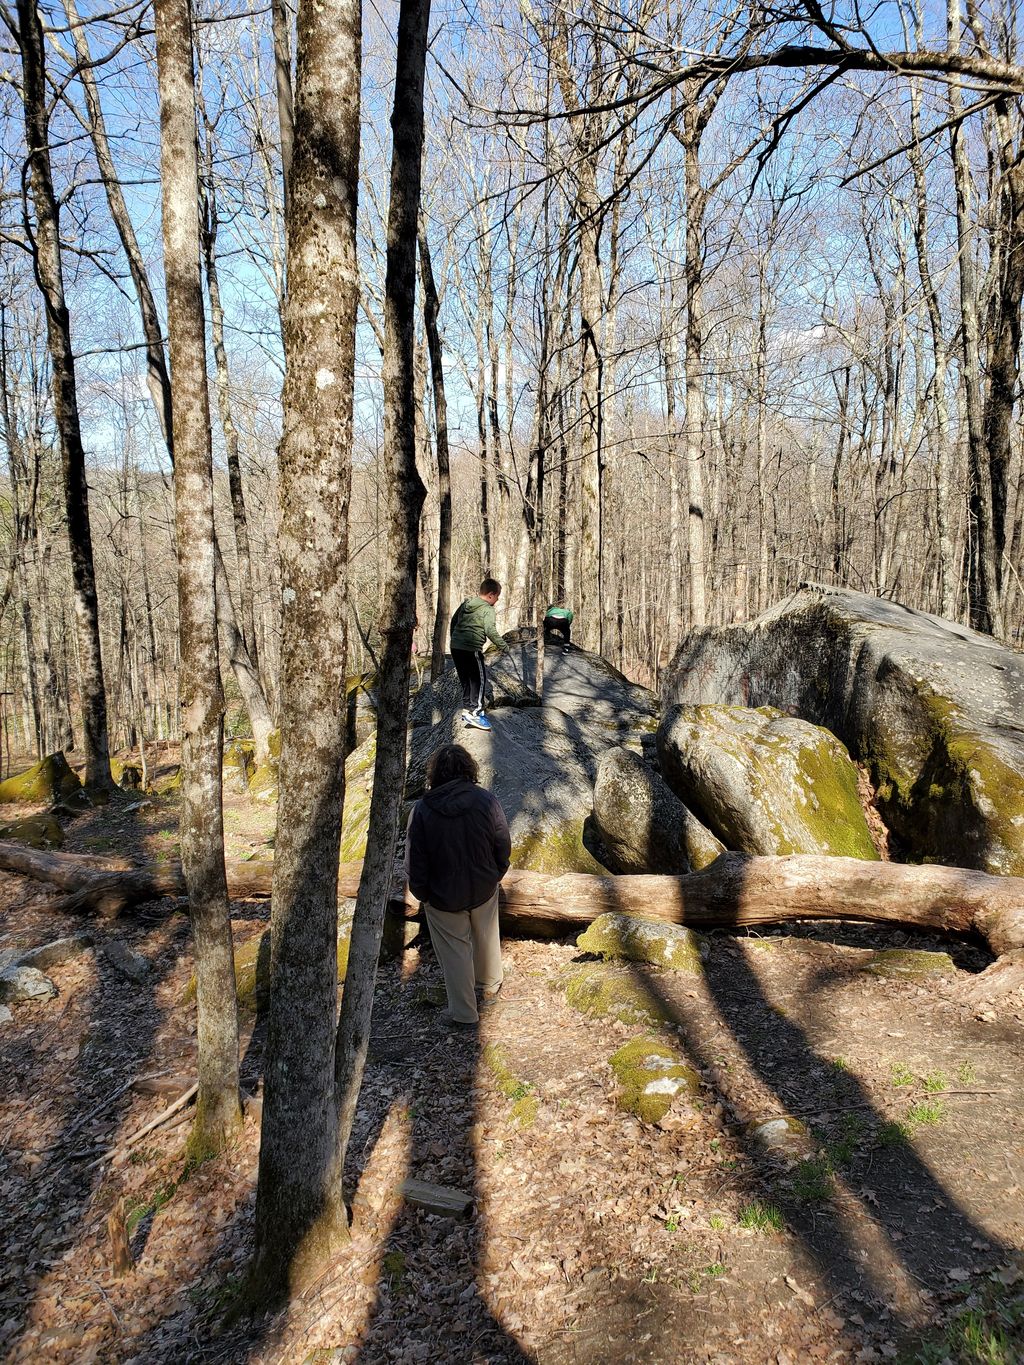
(935, 710)
(48, 780)
(764, 782)
(643, 825)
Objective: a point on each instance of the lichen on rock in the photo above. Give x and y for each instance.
(909, 962)
(636, 939)
(643, 824)
(37, 831)
(651, 1075)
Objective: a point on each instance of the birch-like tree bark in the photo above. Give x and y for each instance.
(300, 1215)
(431, 308)
(45, 239)
(201, 825)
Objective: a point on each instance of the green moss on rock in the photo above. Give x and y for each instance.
(252, 968)
(126, 774)
(38, 831)
(555, 848)
(598, 990)
(358, 793)
(48, 780)
(651, 1074)
(909, 962)
(636, 939)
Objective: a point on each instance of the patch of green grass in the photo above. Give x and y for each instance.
(715, 1145)
(842, 1148)
(894, 1134)
(990, 1331)
(840, 1063)
(140, 1209)
(714, 1271)
(936, 1082)
(758, 1217)
(966, 1074)
(812, 1180)
(925, 1113)
(717, 1222)
(901, 1074)
(393, 1266)
(671, 1224)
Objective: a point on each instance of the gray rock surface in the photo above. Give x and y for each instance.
(21, 984)
(541, 765)
(5, 1015)
(581, 685)
(935, 710)
(128, 962)
(764, 782)
(54, 953)
(643, 825)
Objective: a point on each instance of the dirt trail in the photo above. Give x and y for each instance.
(594, 1237)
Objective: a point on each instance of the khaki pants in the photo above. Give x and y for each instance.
(469, 950)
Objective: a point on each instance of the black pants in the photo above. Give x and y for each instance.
(473, 676)
(554, 627)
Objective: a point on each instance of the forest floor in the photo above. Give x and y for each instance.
(891, 1229)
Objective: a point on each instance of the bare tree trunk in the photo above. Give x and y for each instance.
(280, 21)
(692, 363)
(983, 593)
(300, 1215)
(218, 1111)
(442, 609)
(405, 500)
(50, 276)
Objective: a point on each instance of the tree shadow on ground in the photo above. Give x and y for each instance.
(881, 1243)
(121, 1020)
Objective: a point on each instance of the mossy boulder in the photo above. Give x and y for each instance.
(38, 831)
(651, 1075)
(909, 963)
(597, 990)
(764, 782)
(540, 765)
(169, 784)
(126, 773)
(643, 825)
(51, 779)
(252, 967)
(355, 821)
(933, 709)
(239, 764)
(634, 939)
(785, 1136)
(264, 776)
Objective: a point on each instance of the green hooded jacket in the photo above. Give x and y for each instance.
(473, 624)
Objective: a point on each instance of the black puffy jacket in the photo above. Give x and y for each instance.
(457, 846)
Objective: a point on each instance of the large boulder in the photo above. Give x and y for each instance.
(541, 766)
(38, 831)
(239, 764)
(764, 782)
(935, 710)
(643, 825)
(581, 685)
(48, 780)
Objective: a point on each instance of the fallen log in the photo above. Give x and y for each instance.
(736, 890)
(109, 885)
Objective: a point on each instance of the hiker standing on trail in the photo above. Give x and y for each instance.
(457, 850)
(472, 626)
(558, 623)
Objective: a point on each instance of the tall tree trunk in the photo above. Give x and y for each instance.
(444, 479)
(405, 501)
(50, 276)
(692, 364)
(218, 1112)
(983, 592)
(300, 1216)
(253, 696)
(280, 22)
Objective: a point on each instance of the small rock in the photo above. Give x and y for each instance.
(5, 1015)
(19, 984)
(128, 962)
(58, 951)
(780, 1135)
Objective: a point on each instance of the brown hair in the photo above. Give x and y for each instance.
(451, 764)
(489, 587)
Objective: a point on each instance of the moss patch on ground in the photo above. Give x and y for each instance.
(519, 1092)
(908, 962)
(38, 831)
(635, 939)
(650, 1075)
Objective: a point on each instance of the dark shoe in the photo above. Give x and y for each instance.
(457, 1025)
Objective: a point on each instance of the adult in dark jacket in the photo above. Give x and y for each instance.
(456, 852)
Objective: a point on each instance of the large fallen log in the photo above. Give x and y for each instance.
(736, 890)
